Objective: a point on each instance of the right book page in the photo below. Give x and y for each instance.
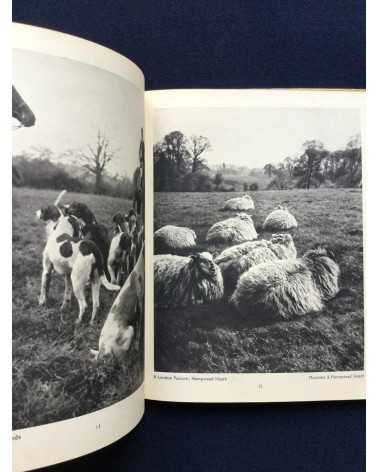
(255, 234)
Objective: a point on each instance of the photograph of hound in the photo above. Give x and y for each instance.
(71, 174)
(78, 260)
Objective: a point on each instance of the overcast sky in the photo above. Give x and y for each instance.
(71, 101)
(256, 136)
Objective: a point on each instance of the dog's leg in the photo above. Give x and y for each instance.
(80, 276)
(67, 292)
(119, 277)
(82, 304)
(128, 265)
(96, 284)
(46, 279)
(113, 278)
(79, 291)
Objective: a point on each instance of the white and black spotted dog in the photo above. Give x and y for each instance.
(79, 261)
(91, 229)
(125, 246)
(119, 257)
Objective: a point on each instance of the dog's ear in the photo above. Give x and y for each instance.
(49, 213)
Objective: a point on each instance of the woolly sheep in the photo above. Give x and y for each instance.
(288, 288)
(233, 230)
(171, 238)
(280, 219)
(239, 203)
(236, 260)
(182, 281)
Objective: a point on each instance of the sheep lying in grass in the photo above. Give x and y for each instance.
(280, 219)
(239, 204)
(288, 288)
(236, 260)
(233, 230)
(182, 281)
(171, 238)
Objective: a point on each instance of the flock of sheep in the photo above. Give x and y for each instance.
(260, 278)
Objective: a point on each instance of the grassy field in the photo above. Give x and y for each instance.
(53, 376)
(215, 338)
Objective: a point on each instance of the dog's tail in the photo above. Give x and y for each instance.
(59, 197)
(89, 248)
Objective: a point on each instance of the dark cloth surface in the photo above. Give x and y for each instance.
(227, 44)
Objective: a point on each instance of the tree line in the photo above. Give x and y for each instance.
(317, 166)
(180, 164)
(82, 170)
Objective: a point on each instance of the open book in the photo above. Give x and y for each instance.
(186, 245)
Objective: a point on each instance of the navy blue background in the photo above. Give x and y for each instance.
(230, 44)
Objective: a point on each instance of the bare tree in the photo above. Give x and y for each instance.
(197, 145)
(96, 158)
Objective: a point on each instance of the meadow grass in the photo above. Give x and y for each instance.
(216, 338)
(54, 377)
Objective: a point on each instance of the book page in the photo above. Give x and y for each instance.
(78, 264)
(257, 247)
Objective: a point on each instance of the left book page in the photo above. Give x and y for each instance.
(78, 264)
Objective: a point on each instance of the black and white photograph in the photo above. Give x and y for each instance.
(78, 238)
(258, 240)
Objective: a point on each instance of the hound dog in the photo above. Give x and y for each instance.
(120, 223)
(92, 230)
(125, 223)
(125, 246)
(125, 319)
(119, 257)
(78, 260)
(123, 255)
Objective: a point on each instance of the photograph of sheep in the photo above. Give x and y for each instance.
(258, 240)
(78, 237)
